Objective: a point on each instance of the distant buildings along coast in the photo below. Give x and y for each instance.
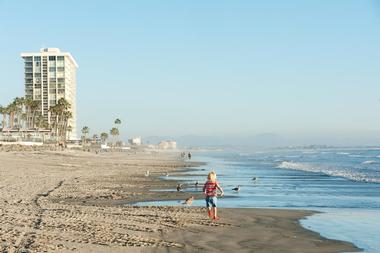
(50, 75)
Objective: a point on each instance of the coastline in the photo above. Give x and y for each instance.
(75, 202)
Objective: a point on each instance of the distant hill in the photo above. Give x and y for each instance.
(262, 140)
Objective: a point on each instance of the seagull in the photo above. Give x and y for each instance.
(236, 189)
(188, 201)
(196, 184)
(147, 173)
(179, 187)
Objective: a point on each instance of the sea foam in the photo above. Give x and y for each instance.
(337, 172)
(369, 162)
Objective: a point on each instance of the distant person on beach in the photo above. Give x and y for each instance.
(189, 155)
(210, 190)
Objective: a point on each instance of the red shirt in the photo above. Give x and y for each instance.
(210, 188)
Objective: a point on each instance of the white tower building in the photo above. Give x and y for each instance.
(49, 76)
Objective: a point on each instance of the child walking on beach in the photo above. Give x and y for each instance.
(210, 190)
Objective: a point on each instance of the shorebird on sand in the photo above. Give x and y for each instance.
(147, 173)
(236, 189)
(188, 201)
(179, 187)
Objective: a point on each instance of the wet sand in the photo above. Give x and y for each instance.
(76, 202)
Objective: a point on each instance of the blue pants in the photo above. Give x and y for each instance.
(211, 201)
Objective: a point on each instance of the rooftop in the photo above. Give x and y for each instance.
(50, 51)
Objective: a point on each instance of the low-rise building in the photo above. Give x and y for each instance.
(167, 145)
(135, 141)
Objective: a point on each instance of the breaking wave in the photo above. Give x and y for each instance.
(369, 162)
(337, 172)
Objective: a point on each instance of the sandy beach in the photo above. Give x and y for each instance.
(74, 201)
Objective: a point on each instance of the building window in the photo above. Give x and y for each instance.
(52, 69)
(60, 58)
(51, 58)
(60, 63)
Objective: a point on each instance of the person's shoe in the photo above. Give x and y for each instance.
(216, 218)
(209, 212)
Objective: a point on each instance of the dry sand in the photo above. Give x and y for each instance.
(75, 202)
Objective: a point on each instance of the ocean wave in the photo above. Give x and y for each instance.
(360, 156)
(295, 166)
(369, 162)
(343, 153)
(336, 172)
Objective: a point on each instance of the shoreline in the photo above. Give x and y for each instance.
(71, 202)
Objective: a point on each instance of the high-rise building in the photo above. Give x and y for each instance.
(49, 76)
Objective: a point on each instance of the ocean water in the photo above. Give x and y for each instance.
(344, 184)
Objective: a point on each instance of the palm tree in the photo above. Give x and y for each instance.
(18, 109)
(103, 137)
(114, 132)
(117, 121)
(61, 113)
(41, 123)
(95, 138)
(65, 124)
(34, 106)
(85, 131)
(27, 112)
(3, 111)
(11, 111)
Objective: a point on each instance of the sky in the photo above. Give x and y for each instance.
(299, 69)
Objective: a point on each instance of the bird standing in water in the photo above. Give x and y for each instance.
(179, 187)
(196, 184)
(188, 201)
(236, 189)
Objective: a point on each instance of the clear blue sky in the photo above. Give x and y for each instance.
(306, 68)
